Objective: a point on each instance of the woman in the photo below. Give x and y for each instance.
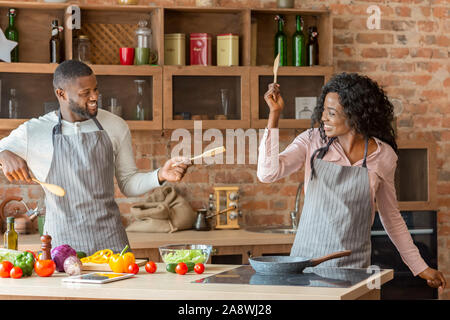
(350, 162)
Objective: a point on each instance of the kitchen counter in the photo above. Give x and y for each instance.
(163, 285)
(224, 242)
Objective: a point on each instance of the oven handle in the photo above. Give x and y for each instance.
(411, 231)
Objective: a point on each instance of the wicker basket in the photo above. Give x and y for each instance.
(106, 39)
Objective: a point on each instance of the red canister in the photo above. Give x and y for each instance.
(200, 49)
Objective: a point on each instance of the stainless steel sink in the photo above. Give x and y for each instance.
(273, 229)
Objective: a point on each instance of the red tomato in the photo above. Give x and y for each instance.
(199, 268)
(16, 273)
(133, 268)
(150, 267)
(44, 268)
(181, 268)
(5, 269)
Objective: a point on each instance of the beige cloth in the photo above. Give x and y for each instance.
(163, 211)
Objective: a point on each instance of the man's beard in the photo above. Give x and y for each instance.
(75, 108)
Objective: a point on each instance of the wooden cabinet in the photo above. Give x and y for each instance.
(416, 175)
(192, 90)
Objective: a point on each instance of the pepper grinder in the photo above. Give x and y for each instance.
(46, 246)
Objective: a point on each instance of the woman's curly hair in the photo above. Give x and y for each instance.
(365, 104)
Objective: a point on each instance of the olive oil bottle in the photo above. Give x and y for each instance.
(10, 236)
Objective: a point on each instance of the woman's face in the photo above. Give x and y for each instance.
(334, 119)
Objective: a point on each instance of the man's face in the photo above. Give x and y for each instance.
(82, 95)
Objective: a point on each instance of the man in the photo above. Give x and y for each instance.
(80, 148)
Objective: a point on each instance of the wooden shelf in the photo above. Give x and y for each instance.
(169, 20)
(416, 175)
(191, 97)
(256, 96)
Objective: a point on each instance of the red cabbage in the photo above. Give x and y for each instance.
(60, 254)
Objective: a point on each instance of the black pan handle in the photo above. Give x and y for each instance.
(339, 254)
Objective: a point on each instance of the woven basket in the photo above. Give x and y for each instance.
(106, 39)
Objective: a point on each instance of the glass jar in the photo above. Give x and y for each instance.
(143, 35)
(142, 111)
(84, 49)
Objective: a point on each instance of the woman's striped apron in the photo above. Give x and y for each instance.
(336, 213)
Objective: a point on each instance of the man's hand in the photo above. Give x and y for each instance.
(435, 278)
(14, 167)
(173, 173)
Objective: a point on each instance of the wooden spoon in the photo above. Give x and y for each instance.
(276, 63)
(53, 188)
(209, 153)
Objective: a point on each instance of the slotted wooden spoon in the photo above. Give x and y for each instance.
(209, 153)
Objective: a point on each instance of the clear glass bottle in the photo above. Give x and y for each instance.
(299, 44)
(10, 238)
(84, 49)
(11, 33)
(281, 41)
(13, 105)
(142, 110)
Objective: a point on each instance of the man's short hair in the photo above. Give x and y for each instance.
(70, 70)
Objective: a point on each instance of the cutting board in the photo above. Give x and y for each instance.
(89, 266)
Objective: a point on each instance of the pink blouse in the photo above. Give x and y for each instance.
(381, 166)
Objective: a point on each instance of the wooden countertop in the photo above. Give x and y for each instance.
(163, 285)
(140, 240)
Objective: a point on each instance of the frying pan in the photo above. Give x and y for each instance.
(289, 265)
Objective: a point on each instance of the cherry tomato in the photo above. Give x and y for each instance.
(181, 268)
(16, 273)
(44, 268)
(150, 267)
(199, 268)
(5, 269)
(133, 268)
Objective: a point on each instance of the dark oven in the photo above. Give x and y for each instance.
(422, 226)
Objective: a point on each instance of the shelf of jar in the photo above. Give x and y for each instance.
(294, 82)
(46, 68)
(181, 95)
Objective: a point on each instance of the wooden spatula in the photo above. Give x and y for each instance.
(53, 188)
(276, 64)
(209, 153)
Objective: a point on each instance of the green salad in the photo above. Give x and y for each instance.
(8, 254)
(193, 255)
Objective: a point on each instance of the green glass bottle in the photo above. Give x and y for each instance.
(299, 44)
(313, 47)
(12, 34)
(10, 238)
(281, 41)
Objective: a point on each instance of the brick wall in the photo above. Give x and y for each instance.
(408, 56)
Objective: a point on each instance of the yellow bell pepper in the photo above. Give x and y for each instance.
(120, 262)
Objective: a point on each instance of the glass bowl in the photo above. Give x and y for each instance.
(176, 253)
